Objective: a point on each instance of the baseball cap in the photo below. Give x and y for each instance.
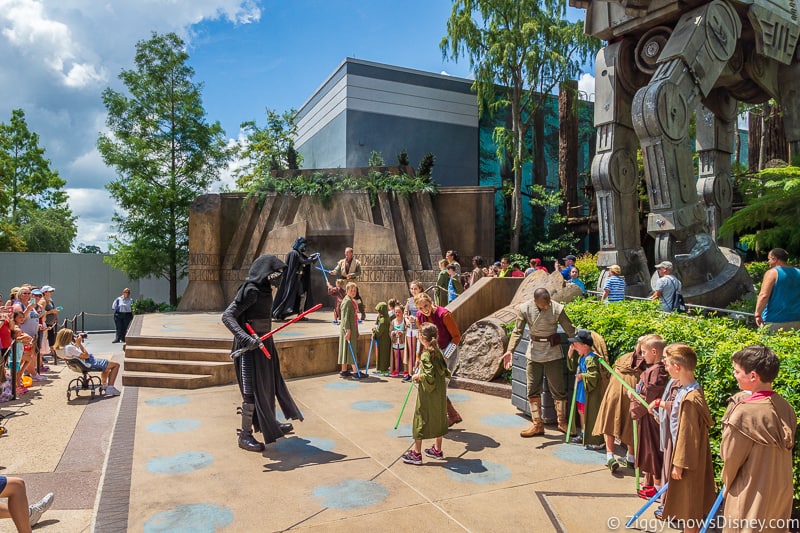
(664, 264)
(584, 336)
(570, 257)
(36, 292)
(497, 264)
(48, 288)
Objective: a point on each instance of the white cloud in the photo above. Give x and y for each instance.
(58, 56)
(586, 87)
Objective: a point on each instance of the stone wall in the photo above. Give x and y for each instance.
(397, 240)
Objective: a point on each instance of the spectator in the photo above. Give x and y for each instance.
(50, 315)
(68, 345)
(30, 317)
(23, 515)
(574, 278)
(477, 270)
(778, 303)
(667, 287)
(569, 261)
(614, 287)
(454, 287)
(535, 264)
(495, 270)
(123, 314)
(453, 259)
(516, 272)
(442, 282)
(505, 268)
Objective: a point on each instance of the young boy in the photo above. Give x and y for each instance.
(613, 418)
(338, 293)
(757, 439)
(691, 491)
(442, 281)
(590, 386)
(348, 332)
(454, 286)
(382, 339)
(649, 457)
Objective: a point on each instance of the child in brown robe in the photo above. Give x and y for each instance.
(757, 439)
(691, 489)
(649, 457)
(338, 293)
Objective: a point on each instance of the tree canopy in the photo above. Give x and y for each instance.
(36, 216)
(267, 149)
(519, 51)
(165, 154)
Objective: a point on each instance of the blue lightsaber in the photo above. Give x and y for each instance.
(641, 511)
(353, 353)
(714, 509)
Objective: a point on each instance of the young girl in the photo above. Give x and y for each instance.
(412, 335)
(430, 414)
(399, 356)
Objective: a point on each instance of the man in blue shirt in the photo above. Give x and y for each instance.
(568, 262)
(778, 303)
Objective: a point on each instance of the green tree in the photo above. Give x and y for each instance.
(773, 209)
(519, 51)
(165, 154)
(267, 149)
(32, 198)
(89, 249)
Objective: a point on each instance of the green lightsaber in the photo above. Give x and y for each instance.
(624, 383)
(410, 386)
(571, 412)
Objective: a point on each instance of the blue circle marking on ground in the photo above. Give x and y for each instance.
(505, 420)
(577, 454)
(175, 425)
(458, 397)
(181, 463)
(477, 471)
(351, 494)
(304, 445)
(403, 430)
(167, 401)
(194, 518)
(342, 385)
(372, 406)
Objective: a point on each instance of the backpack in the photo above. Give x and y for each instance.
(678, 304)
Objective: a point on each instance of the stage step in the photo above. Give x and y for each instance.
(221, 369)
(181, 353)
(168, 381)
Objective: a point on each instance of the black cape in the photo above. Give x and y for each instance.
(296, 281)
(253, 304)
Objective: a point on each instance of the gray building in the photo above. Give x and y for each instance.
(365, 106)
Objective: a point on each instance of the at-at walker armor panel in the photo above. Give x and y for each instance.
(665, 61)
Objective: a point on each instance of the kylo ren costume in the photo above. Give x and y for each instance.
(296, 283)
(260, 379)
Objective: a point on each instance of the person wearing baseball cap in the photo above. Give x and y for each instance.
(568, 262)
(50, 319)
(589, 386)
(666, 287)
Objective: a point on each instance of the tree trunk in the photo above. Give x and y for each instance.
(568, 144)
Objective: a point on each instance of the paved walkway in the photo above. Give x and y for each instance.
(160, 460)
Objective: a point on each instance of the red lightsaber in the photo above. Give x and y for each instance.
(276, 330)
(260, 344)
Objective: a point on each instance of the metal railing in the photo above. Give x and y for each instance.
(704, 309)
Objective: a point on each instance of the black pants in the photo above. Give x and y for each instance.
(121, 323)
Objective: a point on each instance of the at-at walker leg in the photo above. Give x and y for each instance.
(695, 54)
(716, 127)
(614, 172)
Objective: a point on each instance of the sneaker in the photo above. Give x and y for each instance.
(21, 390)
(625, 462)
(112, 391)
(344, 374)
(434, 453)
(659, 513)
(612, 464)
(412, 458)
(44, 368)
(406, 378)
(577, 439)
(36, 510)
(335, 322)
(594, 447)
(356, 375)
(647, 492)
(394, 374)
(38, 377)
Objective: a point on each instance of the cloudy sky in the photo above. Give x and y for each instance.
(59, 55)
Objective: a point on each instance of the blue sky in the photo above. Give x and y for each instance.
(59, 55)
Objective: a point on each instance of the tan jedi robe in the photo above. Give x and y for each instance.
(692, 496)
(614, 417)
(757, 440)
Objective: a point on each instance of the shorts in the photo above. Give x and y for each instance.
(3, 482)
(99, 365)
(581, 407)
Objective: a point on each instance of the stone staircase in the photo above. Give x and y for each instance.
(177, 363)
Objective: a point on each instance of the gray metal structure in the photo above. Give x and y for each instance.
(665, 61)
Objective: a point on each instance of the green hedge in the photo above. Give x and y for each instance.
(714, 338)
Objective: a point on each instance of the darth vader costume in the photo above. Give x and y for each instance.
(294, 293)
(260, 379)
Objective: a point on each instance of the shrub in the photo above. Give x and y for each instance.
(587, 265)
(714, 338)
(147, 305)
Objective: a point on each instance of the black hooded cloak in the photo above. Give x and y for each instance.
(253, 304)
(296, 282)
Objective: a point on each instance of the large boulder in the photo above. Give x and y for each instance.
(484, 343)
